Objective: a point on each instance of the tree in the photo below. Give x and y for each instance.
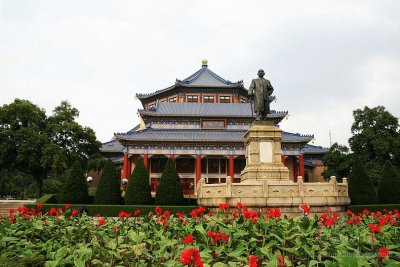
(139, 191)
(41, 146)
(108, 191)
(337, 162)
(169, 192)
(376, 138)
(389, 185)
(23, 139)
(75, 187)
(361, 189)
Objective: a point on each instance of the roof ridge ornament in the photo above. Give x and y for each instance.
(204, 63)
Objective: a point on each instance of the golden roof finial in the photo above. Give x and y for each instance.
(204, 62)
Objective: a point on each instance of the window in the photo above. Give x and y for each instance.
(192, 98)
(208, 99)
(185, 165)
(225, 99)
(172, 99)
(152, 105)
(243, 100)
(157, 165)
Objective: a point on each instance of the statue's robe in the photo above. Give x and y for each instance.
(261, 89)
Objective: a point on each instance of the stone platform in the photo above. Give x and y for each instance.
(265, 180)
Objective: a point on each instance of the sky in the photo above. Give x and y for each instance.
(324, 58)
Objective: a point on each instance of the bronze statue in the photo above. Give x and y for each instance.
(260, 92)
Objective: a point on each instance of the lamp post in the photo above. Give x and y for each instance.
(89, 180)
(124, 185)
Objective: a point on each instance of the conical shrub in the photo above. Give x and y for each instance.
(170, 192)
(108, 191)
(139, 190)
(75, 188)
(361, 188)
(389, 185)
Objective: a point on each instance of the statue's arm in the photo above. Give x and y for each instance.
(251, 88)
(270, 89)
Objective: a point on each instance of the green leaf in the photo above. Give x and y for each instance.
(9, 238)
(61, 253)
(236, 253)
(200, 229)
(50, 264)
(79, 263)
(220, 264)
(312, 263)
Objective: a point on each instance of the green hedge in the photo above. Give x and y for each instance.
(376, 207)
(113, 210)
(48, 199)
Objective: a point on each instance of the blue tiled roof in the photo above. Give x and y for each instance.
(182, 135)
(205, 110)
(111, 146)
(310, 149)
(204, 77)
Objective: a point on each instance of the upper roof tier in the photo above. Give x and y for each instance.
(203, 78)
(173, 109)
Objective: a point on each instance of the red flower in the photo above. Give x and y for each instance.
(179, 215)
(67, 206)
(158, 210)
(253, 261)
(53, 211)
(116, 230)
(193, 213)
(223, 206)
(274, 213)
(74, 213)
(201, 210)
(40, 206)
(102, 221)
(349, 212)
(383, 252)
(191, 257)
(167, 214)
(375, 228)
(188, 239)
(137, 213)
(305, 208)
(281, 260)
(123, 214)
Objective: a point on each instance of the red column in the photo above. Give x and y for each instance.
(126, 162)
(283, 159)
(301, 163)
(198, 168)
(129, 169)
(172, 156)
(295, 171)
(231, 167)
(146, 161)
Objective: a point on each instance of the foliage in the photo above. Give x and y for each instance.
(389, 185)
(361, 189)
(337, 162)
(14, 183)
(75, 187)
(139, 191)
(52, 186)
(41, 146)
(170, 191)
(108, 191)
(228, 238)
(376, 207)
(96, 163)
(376, 139)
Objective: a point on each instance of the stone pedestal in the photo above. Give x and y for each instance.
(265, 180)
(263, 153)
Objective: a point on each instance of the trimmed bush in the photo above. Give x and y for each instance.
(75, 189)
(389, 185)
(108, 191)
(361, 189)
(170, 192)
(139, 191)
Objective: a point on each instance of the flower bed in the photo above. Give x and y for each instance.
(232, 237)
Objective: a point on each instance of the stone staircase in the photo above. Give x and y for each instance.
(6, 205)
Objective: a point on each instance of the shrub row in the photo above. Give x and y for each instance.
(113, 210)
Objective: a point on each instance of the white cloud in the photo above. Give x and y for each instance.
(324, 59)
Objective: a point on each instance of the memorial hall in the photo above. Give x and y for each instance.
(200, 123)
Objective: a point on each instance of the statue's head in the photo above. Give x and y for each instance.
(261, 73)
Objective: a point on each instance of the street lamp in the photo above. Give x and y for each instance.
(89, 180)
(124, 185)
